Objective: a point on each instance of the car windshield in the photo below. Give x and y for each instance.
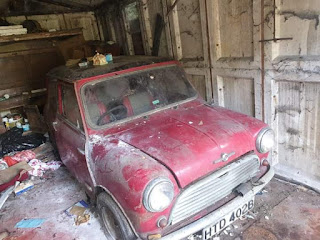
(124, 96)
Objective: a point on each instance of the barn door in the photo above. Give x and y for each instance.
(293, 76)
(234, 34)
(187, 40)
(218, 43)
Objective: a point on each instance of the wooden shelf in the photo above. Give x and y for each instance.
(42, 35)
(22, 100)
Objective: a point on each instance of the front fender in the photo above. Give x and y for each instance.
(125, 172)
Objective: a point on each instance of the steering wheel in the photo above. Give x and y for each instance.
(111, 114)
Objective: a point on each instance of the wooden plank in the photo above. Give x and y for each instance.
(174, 23)
(9, 32)
(67, 46)
(27, 52)
(193, 31)
(155, 8)
(199, 83)
(233, 29)
(50, 21)
(239, 95)
(113, 36)
(297, 116)
(23, 100)
(25, 46)
(68, 4)
(42, 35)
(167, 28)
(13, 73)
(85, 21)
(129, 41)
(11, 27)
(198, 73)
(19, 90)
(146, 26)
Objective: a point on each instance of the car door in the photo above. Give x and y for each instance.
(69, 134)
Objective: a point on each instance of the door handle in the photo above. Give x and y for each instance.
(54, 125)
(81, 151)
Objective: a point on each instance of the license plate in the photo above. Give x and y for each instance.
(214, 229)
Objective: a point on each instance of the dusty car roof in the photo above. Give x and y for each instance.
(74, 73)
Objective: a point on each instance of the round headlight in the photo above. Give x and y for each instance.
(158, 195)
(265, 140)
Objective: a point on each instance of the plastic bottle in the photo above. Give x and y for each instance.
(109, 58)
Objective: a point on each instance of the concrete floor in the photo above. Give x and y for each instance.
(49, 198)
(285, 211)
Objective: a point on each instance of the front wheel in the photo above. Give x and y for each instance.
(115, 225)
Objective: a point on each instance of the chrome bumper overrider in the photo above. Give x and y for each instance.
(216, 215)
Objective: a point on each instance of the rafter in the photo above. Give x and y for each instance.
(67, 4)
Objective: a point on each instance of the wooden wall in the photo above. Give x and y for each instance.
(25, 64)
(258, 57)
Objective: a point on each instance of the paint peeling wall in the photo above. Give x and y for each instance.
(277, 81)
(299, 124)
(293, 87)
(234, 34)
(190, 30)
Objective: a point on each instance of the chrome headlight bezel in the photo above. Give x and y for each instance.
(151, 187)
(263, 136)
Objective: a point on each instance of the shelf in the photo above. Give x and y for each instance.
(42, 35)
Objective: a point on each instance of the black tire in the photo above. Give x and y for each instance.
(115, 225)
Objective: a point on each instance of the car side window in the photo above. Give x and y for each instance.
(70, 107)
(52, 103)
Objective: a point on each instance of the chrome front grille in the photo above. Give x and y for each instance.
(213, 188)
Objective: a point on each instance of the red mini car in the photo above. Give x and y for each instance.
(158, 160)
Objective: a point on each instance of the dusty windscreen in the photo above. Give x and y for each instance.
(130, 95)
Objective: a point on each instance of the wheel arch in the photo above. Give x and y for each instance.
(101, 189)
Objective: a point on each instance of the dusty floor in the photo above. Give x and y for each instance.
(285, 211)
(49, 199)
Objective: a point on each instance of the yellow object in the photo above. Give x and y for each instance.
(154, 236)
(82, 219)
(14, 123)
(99, 59)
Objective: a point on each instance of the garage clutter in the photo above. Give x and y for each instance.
(24, 157)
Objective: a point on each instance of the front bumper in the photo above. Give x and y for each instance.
(216, 215)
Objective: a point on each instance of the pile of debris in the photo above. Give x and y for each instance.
(23, 158)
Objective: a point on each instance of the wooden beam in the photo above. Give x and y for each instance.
(107, 3)
(67, 4)
(42, 35)
(146, 27)
(27, 52)
(175, 29)
(172, 7)
(167, 27)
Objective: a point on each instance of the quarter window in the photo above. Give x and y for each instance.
(70, 107)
